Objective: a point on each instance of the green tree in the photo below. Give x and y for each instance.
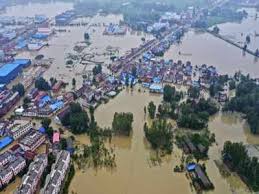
(235, 155)
(97, 69)
(42, 84)
(170, 94)
(26, 101)
(152, 109)
(86, 36)
(127, 80)
(77, 119)
(74, 82)
(122, 123)
(134, 71)
(194, 92)
(19, 88)
(232, 85)
(46, 123)
(246, 102)
(160, 135)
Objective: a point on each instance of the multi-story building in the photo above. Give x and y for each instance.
(19, 128)
(5, 158)
(6, 176)
(7, 100)
(31, 180)
(18, 165)
(32, 141)
(56, 177)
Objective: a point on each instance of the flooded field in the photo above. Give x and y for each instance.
(239, 31)
(135, 172)
(203, 48)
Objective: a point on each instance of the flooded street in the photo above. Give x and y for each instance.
(62, 44)
(135, 173)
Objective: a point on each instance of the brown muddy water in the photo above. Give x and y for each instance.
(61, 45)
(203, 48)
(135, 173)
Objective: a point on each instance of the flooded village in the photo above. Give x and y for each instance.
(70, 81)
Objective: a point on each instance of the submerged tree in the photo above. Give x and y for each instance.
(160, 135)
(73, 82)
(42, 84)
(122, 123)
(152, 109)
(77, 119)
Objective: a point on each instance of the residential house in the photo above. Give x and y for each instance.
(31, 180)
(32, 141)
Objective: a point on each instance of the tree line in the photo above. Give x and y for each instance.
(246, 102)
(236, 157)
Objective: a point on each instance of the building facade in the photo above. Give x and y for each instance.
(57, 174)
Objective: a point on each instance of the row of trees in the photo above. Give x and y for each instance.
(235, 154)
(246, 102)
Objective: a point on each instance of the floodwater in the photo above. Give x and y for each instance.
(136, 174)
(62, 44)
(227, 127)
(31, 9)
(203, 48)
(239, 31)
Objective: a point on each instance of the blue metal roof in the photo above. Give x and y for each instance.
(40, 36)
(8, 68)
(57, 105)
(191, 167)
(42, 129)
(5, 141)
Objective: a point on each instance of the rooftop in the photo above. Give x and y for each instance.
(8, 68)
(5, 141)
